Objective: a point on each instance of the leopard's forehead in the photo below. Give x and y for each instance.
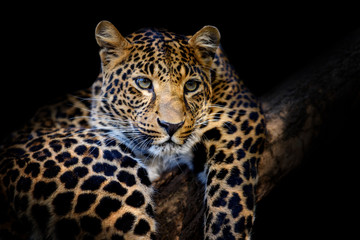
(162, 50)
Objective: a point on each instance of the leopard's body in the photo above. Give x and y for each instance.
(82, 168)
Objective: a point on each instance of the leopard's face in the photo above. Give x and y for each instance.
(156, 87)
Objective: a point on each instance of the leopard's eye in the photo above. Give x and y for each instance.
(191, 85)
(144, 83)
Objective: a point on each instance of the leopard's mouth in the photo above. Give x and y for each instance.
(170, 147)
(169, 140)
(156, 145)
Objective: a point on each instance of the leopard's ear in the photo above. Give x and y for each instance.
(113, 45)
(205, 42)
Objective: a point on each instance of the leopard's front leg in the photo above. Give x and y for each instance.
(233, 141)
(230, 196)
(231, 175)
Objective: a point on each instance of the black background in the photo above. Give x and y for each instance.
(50, 50)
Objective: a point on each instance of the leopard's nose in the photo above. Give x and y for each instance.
(170, 128)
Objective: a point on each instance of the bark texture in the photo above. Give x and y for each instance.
(294, 111)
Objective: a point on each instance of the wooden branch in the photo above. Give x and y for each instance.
(295, 112)
(179, 205)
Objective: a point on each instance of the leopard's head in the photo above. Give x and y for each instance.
(156, 86)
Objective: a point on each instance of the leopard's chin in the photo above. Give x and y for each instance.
(166, 149)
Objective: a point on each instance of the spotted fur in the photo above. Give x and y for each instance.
(84, 170)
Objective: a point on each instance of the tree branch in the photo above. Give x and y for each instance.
(296, 109)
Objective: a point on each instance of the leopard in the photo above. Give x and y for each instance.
(83, 168)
